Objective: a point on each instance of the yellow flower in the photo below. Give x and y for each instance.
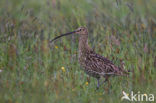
(56, 46)
(143, 26)
(63, 69)
(86, 83)
(46, 83)
(73, 89)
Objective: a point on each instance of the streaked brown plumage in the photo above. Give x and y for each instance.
(94, 64)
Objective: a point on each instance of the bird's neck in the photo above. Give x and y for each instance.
(83, 44)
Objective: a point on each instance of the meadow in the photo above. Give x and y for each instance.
(32, 70)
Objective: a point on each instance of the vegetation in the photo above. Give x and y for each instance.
(34, 71)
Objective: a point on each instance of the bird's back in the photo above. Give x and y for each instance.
(97, 65)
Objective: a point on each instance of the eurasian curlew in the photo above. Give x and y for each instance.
(94, 64)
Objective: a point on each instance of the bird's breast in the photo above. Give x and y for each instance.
(82, 58)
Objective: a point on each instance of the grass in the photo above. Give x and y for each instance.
(32, 70)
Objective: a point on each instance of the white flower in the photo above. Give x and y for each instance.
(1, 70)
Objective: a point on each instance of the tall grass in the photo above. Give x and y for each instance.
(32, 70)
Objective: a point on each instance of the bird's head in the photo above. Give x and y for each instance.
(81, 31)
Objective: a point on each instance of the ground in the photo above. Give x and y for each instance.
(32, 70)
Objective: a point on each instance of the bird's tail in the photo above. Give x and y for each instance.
(124, 72)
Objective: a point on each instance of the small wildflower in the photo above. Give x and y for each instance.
(1, 70)
(145, 48)
(56, 46)
(143, 26)
(73, 89)
(46, 83)
(63, 69)
(86, 83)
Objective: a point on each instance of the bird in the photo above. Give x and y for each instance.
(93, 64)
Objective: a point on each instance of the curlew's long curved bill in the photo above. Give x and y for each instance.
(62, 36)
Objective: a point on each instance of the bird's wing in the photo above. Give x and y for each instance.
(101, 58)
(100, 64)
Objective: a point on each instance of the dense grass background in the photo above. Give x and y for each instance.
(34, 71)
